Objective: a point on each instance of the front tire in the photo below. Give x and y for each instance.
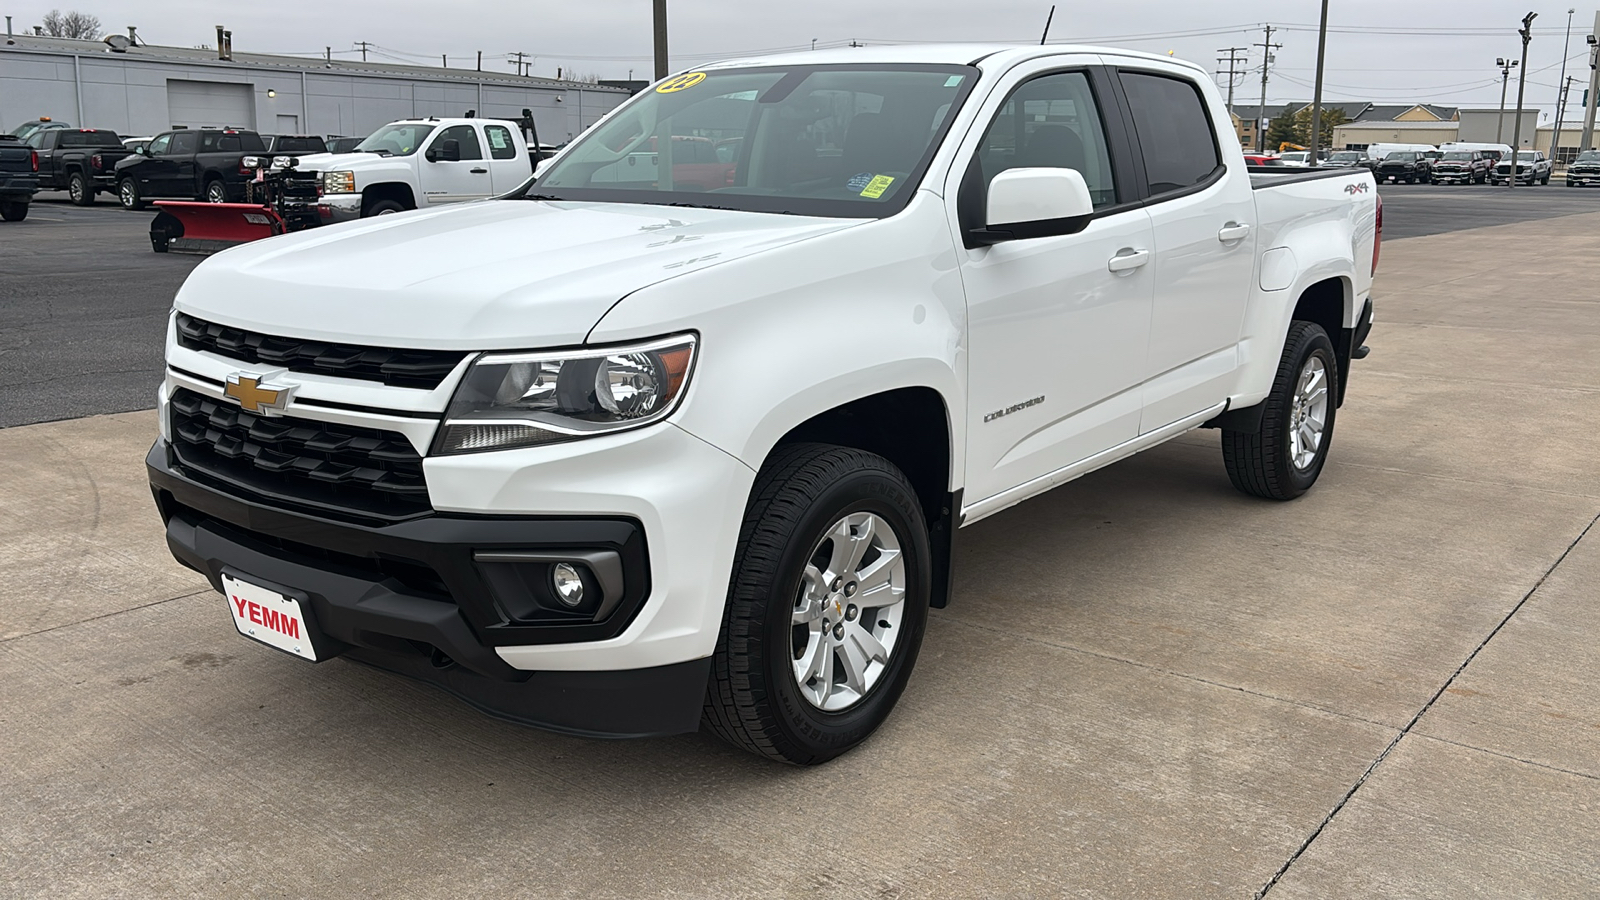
(216, 192)
(1283, 459)
(384, 208)
(128, 194)
(826, 608)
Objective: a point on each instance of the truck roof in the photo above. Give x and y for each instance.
(935, 54)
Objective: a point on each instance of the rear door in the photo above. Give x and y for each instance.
(506, 166)
(1056, 337)
(181, 178)
(1203, 217)
(455, 181)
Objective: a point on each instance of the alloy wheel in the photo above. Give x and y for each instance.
(846, 620)
(1308, 414)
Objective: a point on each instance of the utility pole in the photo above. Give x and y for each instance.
(1506, 65)
(363, 50)
(1561, 112)
(1233, 59)
(1267, 46)
(518, 63)
(1316, 97)
(1522, 85)
(1561, 83)
(662, 67)
(1593, 97)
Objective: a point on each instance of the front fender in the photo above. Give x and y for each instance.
(801, 329)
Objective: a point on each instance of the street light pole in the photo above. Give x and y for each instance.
(1316, 96)
(1522, 87)
(1594, 87)
(1566, 50)
(1506, 65)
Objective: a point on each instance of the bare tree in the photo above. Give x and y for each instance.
(71, 25)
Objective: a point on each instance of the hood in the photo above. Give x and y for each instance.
(497, 274)
(330, 162)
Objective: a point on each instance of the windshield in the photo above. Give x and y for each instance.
(1527, 156)
(1588, 156)
(399, 139)
(1348, 156)
(1400, 156)
(811, 140)
(1458, 156)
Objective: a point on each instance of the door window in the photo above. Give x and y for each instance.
(1051, 121)
(500, 145)
(466, 135)
(158, 147)
(1176, 139)
(184, 143)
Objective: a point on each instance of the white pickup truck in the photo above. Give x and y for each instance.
(420, 164)
(622, 455)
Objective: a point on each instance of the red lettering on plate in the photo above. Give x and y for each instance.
(240, 605)
(291, 627)
(269, 618)
(255, 613)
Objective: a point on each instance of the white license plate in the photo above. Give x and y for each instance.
(269, 617)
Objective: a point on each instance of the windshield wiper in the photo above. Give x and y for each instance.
(700, 206)
(538, 197)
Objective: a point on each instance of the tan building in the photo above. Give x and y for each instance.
(1360, 135)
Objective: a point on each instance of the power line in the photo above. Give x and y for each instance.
(1267, 58)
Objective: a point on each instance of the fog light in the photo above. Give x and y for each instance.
(567, 583)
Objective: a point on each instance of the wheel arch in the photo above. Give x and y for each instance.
(387, 190)
(910, 427)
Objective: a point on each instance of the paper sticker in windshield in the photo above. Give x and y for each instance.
(499, 138)
(953, 80)
(681, 82)
(877, 186)
(859, 183)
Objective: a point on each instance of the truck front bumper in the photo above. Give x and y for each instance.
(340, 207)
(418, 597)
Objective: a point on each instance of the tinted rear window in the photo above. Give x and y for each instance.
(1176, 139)
(291, 144)
(89, 139)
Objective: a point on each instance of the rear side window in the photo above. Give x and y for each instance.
(184, 142)
(1176, 139)
(299, 144)
(90, 139)
(500, 146)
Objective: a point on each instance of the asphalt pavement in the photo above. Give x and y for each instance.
(84, 300)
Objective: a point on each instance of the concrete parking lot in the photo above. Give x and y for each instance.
(1146, 685)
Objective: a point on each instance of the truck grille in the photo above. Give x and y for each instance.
(398, 368)
(331, 467)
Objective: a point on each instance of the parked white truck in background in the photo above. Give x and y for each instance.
(619, 455)
(422, 163)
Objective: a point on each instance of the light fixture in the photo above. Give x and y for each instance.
(271, 93)
(568, 584)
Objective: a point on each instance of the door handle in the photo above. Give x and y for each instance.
(1128, 259)
(479, 171)
(1233, 231)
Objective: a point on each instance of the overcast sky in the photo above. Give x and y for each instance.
(1380, 50)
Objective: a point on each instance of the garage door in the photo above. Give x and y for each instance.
(199, 104)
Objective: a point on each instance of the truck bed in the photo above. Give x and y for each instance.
(1278, 176)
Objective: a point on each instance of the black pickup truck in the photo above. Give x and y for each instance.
(19, 178)
(1404, 165)
(193, 164)
(80, 161)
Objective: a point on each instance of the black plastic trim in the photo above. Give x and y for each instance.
(941, 541)
(433, 554)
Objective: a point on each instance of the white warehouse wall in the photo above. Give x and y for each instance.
(83, 83)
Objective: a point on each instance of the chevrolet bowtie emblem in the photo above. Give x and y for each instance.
(254, 396)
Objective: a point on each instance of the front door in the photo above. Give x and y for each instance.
(455, 181)
(1205, 229)
(506, 166)
(1057, 326)
(157, 169)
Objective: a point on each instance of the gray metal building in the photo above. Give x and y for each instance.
(141, 90)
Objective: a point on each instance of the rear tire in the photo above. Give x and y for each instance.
(14, 210)
(79, 190)
(128, 194)
(1284, 458)
(828, 531)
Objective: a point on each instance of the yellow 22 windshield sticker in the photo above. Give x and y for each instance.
(877, 186)
(681, 82)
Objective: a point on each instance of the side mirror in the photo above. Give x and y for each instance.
(446, 151)
(1034, 203)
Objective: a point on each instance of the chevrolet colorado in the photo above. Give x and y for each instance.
(614, 455)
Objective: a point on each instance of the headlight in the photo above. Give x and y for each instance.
(250, 162)
(284, 162)
(338, 182)
(512, 400)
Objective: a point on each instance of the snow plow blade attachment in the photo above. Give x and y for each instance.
(188, 227)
